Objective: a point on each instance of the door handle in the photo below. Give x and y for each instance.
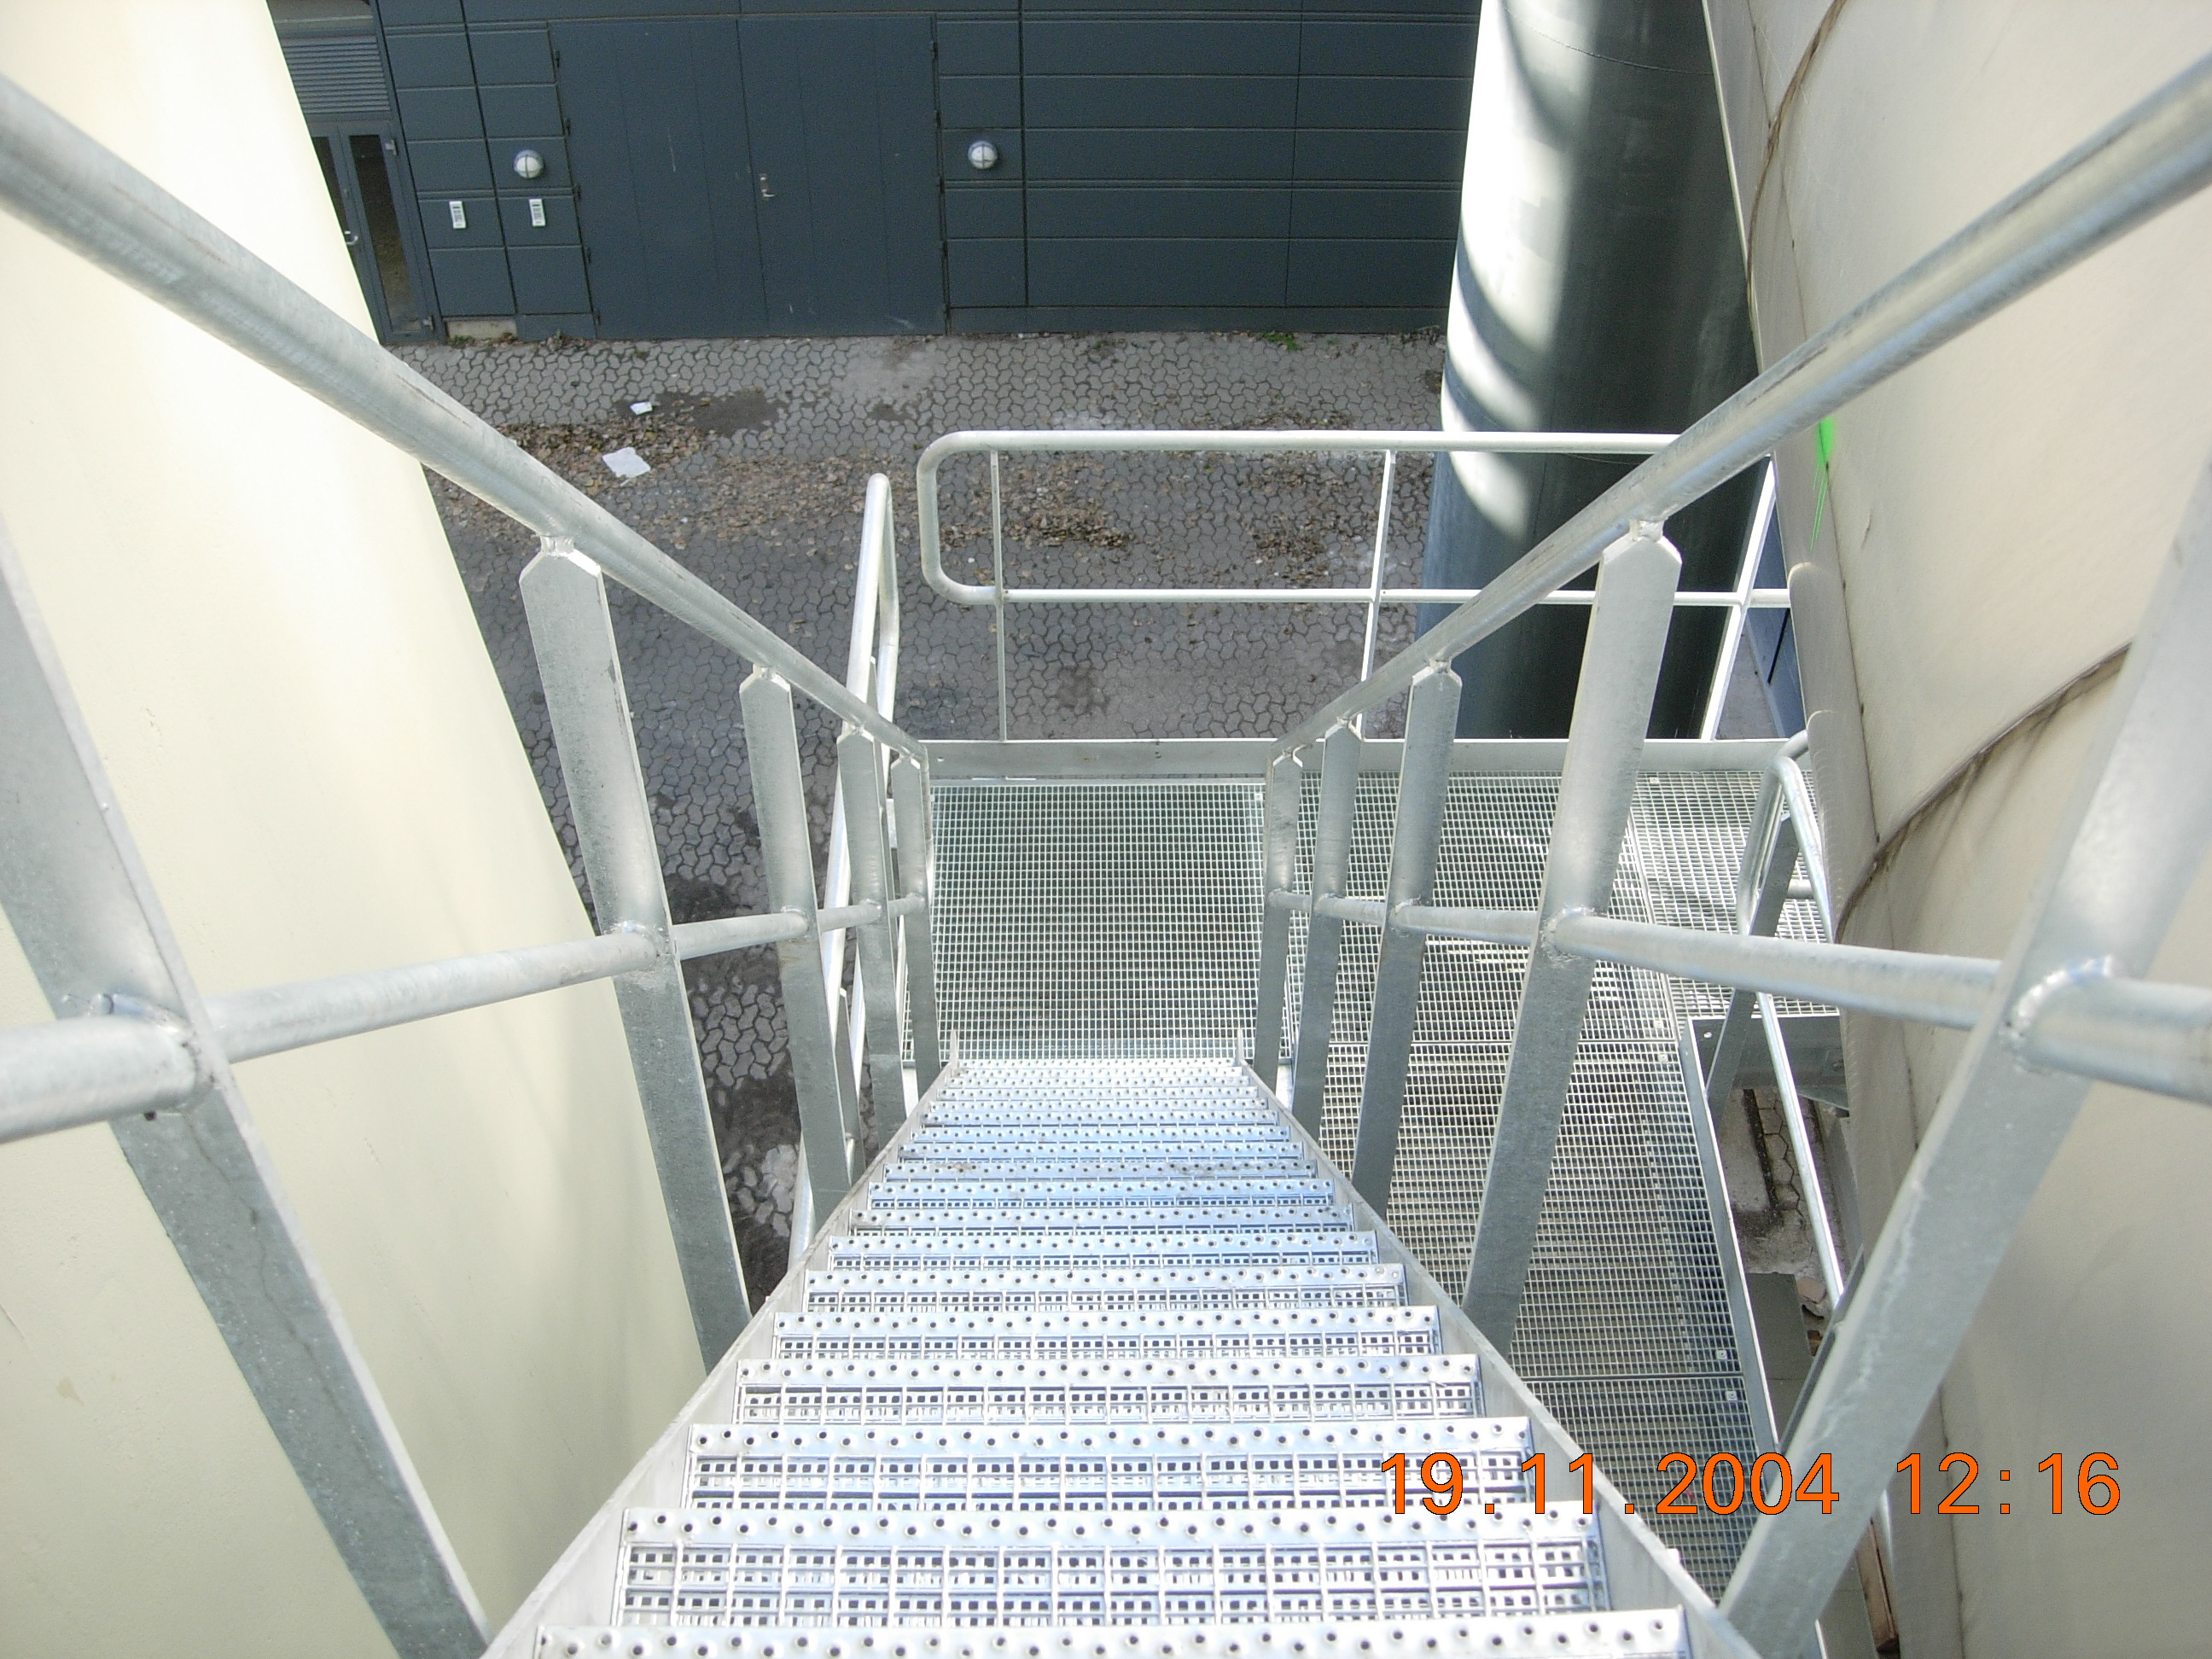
(766, 195)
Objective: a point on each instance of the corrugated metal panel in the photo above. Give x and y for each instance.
(339, 77)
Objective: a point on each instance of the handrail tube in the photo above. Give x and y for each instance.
(277, 1017)
(2142, 1034)
(1372, 912)
(694, 939)
(1762, 599)
(2137, 1032)
(1228, 443)
(1496, 927)
(1932, 990)
(73, 1071)
(2149, 158)
(85, 1070)
(60, 180)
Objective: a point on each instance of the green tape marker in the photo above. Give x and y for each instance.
(1824, 446)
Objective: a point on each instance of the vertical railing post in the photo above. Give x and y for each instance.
(1280, 851)
(1746, 577)
(1375, 582)
(572, 635)
(1770, 894)
(1627, 637)
(1340, 792)
(1424, 782)
(788, 861)
(92, 930)
(1761, 916)
(917, 873)
(860, 780)
(999, 591)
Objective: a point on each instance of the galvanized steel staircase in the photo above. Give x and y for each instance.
(1103, 1358)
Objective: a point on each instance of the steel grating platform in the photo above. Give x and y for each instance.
(1200, 1449)
(1148, 893)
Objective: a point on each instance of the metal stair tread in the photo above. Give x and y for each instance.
(1073, 1335)
(1331, 1465)
(1152, 1217)
(708, 1568)
(1399, 1386)
(1024, 1192)
(1135, 1248)
(1649, 1634)
(981, 1290)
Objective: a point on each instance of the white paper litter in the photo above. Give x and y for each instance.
(626, 464)
(641, 409)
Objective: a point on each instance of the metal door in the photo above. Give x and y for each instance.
(843, 122)
(657, 144)
(361, 169)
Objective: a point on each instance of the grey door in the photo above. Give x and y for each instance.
(843, 118)
(657, 143)
(359, 166)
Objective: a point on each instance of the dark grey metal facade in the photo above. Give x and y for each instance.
(716, 169)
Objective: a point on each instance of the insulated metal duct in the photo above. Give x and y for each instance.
(1599, 287)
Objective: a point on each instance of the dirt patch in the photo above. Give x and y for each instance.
(1045, 503)
(749, 409)
(574, 450)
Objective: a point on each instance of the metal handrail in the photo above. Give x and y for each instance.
(39, 1093)
(1165, 441)
(2155, 155)
(998, 595)
(89, 199)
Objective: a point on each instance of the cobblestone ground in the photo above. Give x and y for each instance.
(761, 451)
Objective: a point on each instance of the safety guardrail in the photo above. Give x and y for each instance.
(1741, 596)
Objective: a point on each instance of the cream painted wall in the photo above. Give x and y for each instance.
(261, 617)
(1994, 518)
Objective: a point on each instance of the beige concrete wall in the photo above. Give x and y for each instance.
(1993, 519)
(276, 657)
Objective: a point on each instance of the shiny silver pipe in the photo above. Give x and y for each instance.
(1934, 990)
(1221, 443)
